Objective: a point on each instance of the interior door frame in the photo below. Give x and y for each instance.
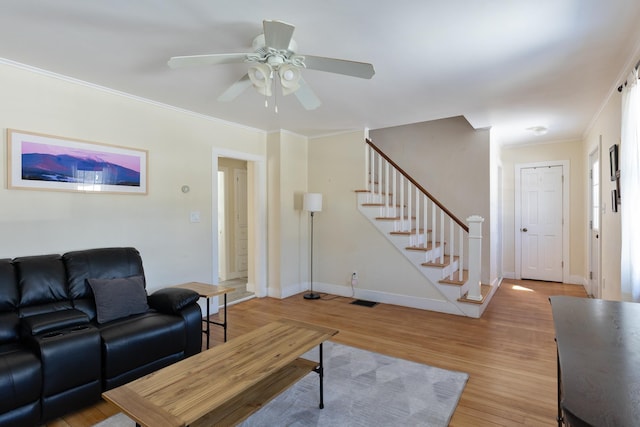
(222, 223)
(594, 283)
(257, 218)
(237, 197)
(566, 226)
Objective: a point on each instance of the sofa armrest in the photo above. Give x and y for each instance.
(53, 321)
(172, 300)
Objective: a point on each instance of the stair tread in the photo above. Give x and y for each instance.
(374, 192)
(453, 281)
(422, 247)
(484, 291)
(445, 262)
(409, 232)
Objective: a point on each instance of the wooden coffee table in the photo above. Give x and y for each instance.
(226, 384)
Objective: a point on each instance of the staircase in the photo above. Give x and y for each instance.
(442, 247)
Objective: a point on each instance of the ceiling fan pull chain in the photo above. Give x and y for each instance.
(275, 95)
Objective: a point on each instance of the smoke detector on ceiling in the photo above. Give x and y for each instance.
(538, 130)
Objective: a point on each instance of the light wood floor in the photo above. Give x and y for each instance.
(509, 353)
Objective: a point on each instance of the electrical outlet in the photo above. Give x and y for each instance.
(354, 278)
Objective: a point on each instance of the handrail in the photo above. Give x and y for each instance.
(464, 226)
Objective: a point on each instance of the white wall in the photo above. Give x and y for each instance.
(288, 224)
(180, 148)
(495, 229)
(607, 127)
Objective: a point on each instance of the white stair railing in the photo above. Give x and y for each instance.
(430, 225)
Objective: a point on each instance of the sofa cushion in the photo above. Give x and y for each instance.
(20, 377)
(42, 281)
(101, 263)
(8, 286)
(118, 298)
(140, 340)
(9, 299)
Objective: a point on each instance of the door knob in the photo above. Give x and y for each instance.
(524, 230)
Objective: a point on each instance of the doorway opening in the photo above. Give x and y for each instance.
(239, 223)
(233, 243)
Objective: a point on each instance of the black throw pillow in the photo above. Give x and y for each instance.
(118, 298)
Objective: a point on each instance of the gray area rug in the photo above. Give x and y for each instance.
(361, 388)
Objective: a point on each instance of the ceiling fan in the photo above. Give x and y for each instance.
(275, 59)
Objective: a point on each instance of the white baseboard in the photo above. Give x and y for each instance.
(442, 306)
(571, 280)
(577, 280)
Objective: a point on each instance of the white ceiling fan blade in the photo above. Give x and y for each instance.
(362, 70)
(277, 34)
(235, 89)
(212, 59)
(306, 96)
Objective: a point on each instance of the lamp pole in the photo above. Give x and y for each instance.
(312, 203)
(311, 294)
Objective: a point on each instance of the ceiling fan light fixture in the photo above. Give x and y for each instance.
(289, 78)
(261, 76)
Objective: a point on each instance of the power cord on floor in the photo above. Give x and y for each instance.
(353, 291)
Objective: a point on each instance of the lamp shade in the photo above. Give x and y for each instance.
(312, 202)
(289, 78)
(261, 76)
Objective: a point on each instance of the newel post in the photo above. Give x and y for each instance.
(475, 257)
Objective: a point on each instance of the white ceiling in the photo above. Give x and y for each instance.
(510, 64)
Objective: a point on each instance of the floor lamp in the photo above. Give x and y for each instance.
(312, 202)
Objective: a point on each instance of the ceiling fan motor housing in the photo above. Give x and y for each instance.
(259, 45)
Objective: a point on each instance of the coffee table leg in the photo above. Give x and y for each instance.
(321, 373)
(208, 324)
(225, 318)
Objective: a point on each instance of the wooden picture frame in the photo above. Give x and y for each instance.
(45, 162)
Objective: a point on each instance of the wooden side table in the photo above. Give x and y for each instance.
(207, 291)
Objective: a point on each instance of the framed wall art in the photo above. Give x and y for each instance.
(614, 170)
(46, 162)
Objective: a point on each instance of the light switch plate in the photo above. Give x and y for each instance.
(194, 216)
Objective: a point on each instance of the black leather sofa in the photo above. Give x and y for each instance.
(74, 325)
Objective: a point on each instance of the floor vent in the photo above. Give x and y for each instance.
(364, 303)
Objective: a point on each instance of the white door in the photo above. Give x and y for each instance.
(541, 223)
(594, 225)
